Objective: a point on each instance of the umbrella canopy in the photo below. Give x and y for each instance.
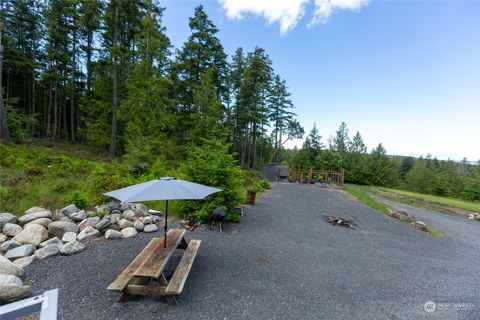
(166, 188)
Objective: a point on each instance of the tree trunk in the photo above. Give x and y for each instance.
(72, 93)
(4, 132)
(254, 145)
(115, 93)
(49, 112)
(89, 60)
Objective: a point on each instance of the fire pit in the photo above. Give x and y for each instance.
(342, 222)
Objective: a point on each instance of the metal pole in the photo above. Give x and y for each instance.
(165, 226)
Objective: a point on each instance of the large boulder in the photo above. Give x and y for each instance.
(3, 238)
(11, 229)
(128, 215)
(42, 221)
(32, 234)
(105, 222)
(58, 228)
(20, 252)
(115, 217)
(14, 292)
(51, 241)
(72, 248)
(69, 237)
(147, 220)
(113, 234)
(8, 267)
(25, 261)
(88, 233)
(9, 280)
(78, 216)
(6, 217)
(47, 251)
(34, 214)
(129, 232)
(138, 225)
(9, 245)
(70, 209)
(123, 223)
(150, 228)
(89, 222)
(419, 225)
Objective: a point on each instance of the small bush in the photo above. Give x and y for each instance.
(78, 199)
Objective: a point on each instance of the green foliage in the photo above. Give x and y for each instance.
(212, 165)
(362, 196)
(78, 199)
(261, 185)
(329, 160)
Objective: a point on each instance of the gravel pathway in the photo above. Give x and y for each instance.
(284, 262)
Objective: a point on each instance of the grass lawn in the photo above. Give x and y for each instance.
(455, 203)
(362, 195)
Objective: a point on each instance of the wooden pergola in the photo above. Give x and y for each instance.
(299, 175)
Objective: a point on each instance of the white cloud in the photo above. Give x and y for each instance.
(287, 12)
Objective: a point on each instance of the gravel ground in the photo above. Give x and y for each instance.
(457, 227)
(284, 262)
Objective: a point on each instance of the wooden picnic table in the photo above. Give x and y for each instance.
(145, 274)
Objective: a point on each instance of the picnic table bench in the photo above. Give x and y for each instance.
(145, 274)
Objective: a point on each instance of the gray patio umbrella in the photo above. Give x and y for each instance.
(166, 188)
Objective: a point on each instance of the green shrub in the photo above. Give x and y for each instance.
(78, 199)
(212, 165)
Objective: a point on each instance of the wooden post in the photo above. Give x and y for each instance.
(310, 176)
(343, 176)
(294, 175)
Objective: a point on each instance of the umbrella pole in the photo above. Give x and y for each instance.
(165, 226)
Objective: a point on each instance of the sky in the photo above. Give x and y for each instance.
(402, 73)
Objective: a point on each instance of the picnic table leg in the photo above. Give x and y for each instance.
(171, 300)
(125, 296)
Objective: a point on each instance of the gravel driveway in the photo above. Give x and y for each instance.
(284, 262)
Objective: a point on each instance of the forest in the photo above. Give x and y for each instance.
(105, 74)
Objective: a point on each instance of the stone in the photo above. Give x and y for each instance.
(105, 222)
(129, 232)
(113, 234)
(91, 214)
(42, 221)
(141, 207)
(138, 225)
(3, 238)
(115, 217)
(88, 233)
(32, 234)
(6, 217)
(78, 216)
(147, 220)
(69, 237)
(477, 217)
(124, 224)
(67, 219)
(58, 228)
(150, 228)
(25, 261)
(51, 241)
(20, 252)
(419, 225)
(114, 227)
(72, 248)
(11, 229)
(128, 215)
(8, 267)
(70, 209)
(155, 212)
(9, 280)
(116, 211)
(9, 245)
(89, 222)
(471, 216)
(28, 217)
(47, 251)
(14, 292)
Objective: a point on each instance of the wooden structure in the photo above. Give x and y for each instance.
(310, 176)
(145, 274)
